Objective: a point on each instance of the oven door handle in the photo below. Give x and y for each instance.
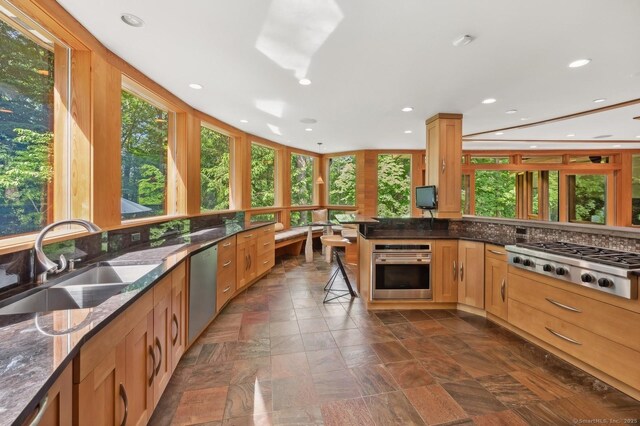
(403, 261)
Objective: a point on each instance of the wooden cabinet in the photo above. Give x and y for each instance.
(227, 268)
(265, 249)
(55, 408)
(445, 271)
(138, 390)
(246, 254)
(178, 314)
(495, 281)
(162, 325)
(444, 157)
(471, 273)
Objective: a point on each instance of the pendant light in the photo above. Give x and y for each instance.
(319, 181)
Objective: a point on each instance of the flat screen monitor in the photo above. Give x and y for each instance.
(426, 197)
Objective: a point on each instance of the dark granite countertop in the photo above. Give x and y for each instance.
(31, 361)
(443, 234)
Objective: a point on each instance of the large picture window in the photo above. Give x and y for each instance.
(28, 91)
(587, 201)
(301, 180)
(342, 181)
(394, 185)
(263, 175)
(495, 193)
(214, 169)
(145, 137)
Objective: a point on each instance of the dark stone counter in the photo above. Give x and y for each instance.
(442, 234)
(30, 360)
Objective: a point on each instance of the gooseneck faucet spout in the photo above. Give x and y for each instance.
(44, 265)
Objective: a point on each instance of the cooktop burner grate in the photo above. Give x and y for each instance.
(605, 256)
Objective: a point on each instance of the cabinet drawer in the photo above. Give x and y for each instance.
(227, 246)
(226, 260)
(247, 236)
(610, 357)
(495, 252)
(269, 229)
(266, 261)
(599, 317)
(266, 243)
(226, 287)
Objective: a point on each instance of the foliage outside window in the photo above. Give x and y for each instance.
(263, 175)
(489, 160)
(541, 159)
(342, 181)
(394, 185)
(263, 217)
(465, 199)
(145, 136)
(26, 128)
(554, 182)
(214, 169)
(495, 193)
(635, 190)
(301, 180)
(299, 217)
(587, 198)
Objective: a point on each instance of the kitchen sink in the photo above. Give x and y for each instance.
(106, 273)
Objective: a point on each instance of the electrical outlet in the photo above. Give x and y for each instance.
(135, 237)
(520, 230)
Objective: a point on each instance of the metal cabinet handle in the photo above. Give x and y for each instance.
(227, 263)
(160, 359)
(226, 289)
(250, 261)
(153, 364)
(175, 322)
(461, 272)
(562, 336)
(503, 288)
(499, 253)
(125, 400)
(455, 271)
(226, 244)
(265, 262)
(248, 236)
(444, 165)
(42, 408)
(563, 306)
(266, 244)
(246, 262)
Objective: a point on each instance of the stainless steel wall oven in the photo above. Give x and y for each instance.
(402, 271)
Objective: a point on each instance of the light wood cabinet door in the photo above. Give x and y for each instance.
(444, 148)
(178, 314)
(246, 260)
(56, 407)
(103, 395)
(495, 281)
(471, 273)
(139, 371)
(445, 271)
(162, 325)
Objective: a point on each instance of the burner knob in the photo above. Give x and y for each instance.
(605, 282)
(517, 259)
(527, 262)
(561, 271)
(587, 278)
(548, 268)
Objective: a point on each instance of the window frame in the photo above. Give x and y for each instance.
(327, 171)
(277, 190)
(206, 124)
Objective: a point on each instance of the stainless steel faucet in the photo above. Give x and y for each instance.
(44, 265)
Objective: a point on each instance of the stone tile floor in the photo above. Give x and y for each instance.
(278, 356)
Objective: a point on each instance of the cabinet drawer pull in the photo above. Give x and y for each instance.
(226, 244)
(248, 236)
(455, 271)
(175, 322)
(461, 272)
(444, 165)
(499, 253)
(265, 244)
(502, 289)
(160, 359)
(562, 336)
(153, 364)
(227, 263)
(563, 306)
(42, 408)
(265, 262)
(226, 289)
(125, 400)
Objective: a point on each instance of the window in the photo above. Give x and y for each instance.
(635, 190)
(299, 217)
(263, 175)
(465, 198)
(28, 73)
(554, 183)
(495, 193)
(489, 160)
(342, 181)
(301, 180)
(145, 137)
(394, 185)
(214, 169)
(541, 159)
(263, 217)
(589, 159)
(587, 198)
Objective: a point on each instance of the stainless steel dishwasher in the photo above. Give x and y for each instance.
(202, 290)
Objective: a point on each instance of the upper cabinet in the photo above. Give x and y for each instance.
(444, 156)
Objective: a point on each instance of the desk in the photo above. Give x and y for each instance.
(308, 248)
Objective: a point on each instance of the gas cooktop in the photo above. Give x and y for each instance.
(620, 259)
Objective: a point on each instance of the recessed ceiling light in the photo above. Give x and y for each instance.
(570, 135)
(533, 146)
(408, 131)
(304, 81)
(308, 129)
(499, 133)
(407, 109)
(463, 40)
(511, 111)
(617, 146)
(308, 120)
(195, 86)
(488, 101)
(244, 121)
(638, 137)
(524, 118)
(602, 136)
(597, 101)
(132, 20)
(579, 63)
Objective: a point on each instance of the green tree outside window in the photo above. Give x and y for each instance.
(214, 169)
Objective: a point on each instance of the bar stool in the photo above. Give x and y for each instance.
(330, 241)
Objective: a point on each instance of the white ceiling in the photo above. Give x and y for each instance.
(369, 58)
